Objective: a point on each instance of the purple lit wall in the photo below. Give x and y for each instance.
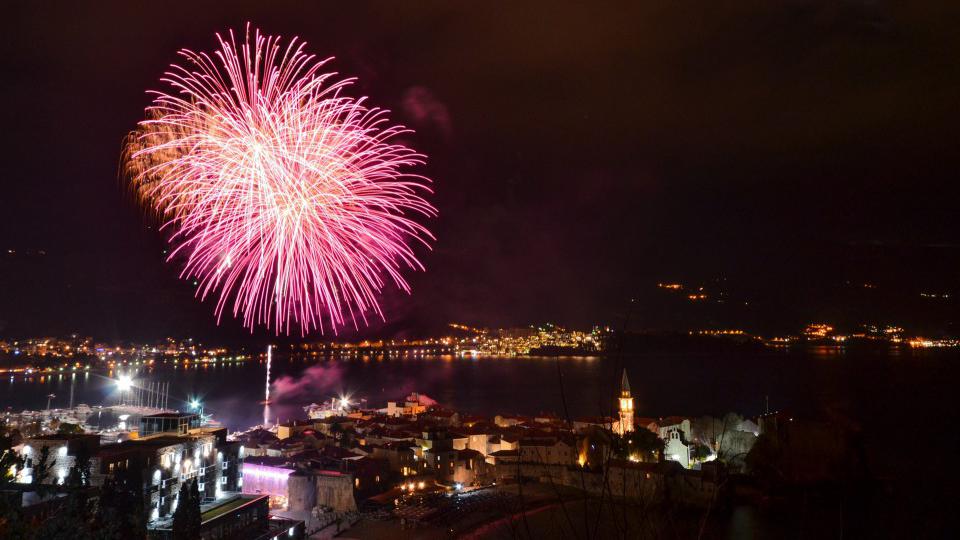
(265, 480)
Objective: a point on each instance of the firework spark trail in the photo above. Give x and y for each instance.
(281, 193)
(266, 396)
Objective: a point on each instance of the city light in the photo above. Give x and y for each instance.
(124, 383)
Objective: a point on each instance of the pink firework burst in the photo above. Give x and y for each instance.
(286, 198)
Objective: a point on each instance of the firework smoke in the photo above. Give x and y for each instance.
(286, 198)
(316, 380)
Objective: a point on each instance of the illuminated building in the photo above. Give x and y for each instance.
(676, 433)
(625, 425)
(171, 451)
(61, 455)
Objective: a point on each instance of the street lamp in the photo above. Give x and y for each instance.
(197, 405)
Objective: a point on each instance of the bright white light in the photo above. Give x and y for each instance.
(124, 383)
(194, 404)
(62, 451)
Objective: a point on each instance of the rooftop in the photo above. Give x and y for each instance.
(229, 506)
(169, 415)
(64, 437)
(213, 510)
(297, 423)
(152, 443)
(268, 461)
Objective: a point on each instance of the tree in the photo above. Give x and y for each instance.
(642, 445)
(12, 524)
(67, 428)
(79, 474)
(187, 518)
(41, 466)
(699, 452)
(8, 460)
(195, 514)
(764, 460)
(646, 441)
(120, 514)
(72, 521)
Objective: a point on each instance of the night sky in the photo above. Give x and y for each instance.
(789, 150)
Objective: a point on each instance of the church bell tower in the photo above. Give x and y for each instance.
(626, 406)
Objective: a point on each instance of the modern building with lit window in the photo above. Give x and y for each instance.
(172, 448)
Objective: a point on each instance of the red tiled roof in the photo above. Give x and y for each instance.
(601, 420)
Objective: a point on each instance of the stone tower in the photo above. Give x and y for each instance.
(626, 406)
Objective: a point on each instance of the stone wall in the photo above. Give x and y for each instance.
(336, 492)
(647, 482)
